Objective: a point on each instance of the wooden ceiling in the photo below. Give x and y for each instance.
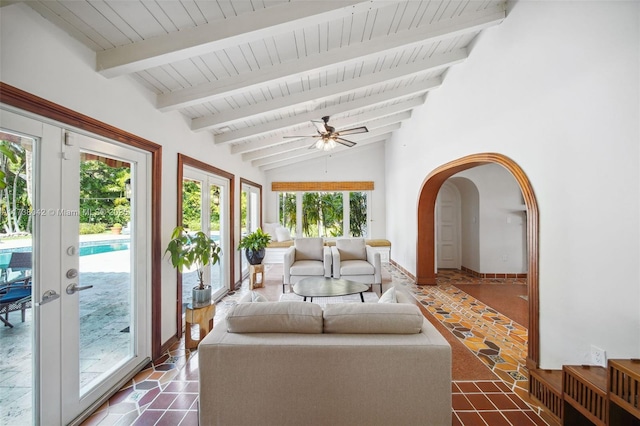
(252, 71)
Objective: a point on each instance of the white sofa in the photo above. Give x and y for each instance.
(291, 363)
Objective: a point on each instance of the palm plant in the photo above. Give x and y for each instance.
(195, 249)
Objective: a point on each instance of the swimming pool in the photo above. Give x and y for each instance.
(87, 248)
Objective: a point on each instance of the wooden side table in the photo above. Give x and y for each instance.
(254, 270)
(201, 316)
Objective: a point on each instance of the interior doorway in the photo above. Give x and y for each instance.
(426, 243)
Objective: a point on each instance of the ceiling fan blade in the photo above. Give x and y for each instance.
(313, 145)
(302, 136)
(345, 142)
(320, 126)
(353, 131)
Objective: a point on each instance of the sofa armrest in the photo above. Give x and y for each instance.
(327, 261)
(373, 257)
(288, 259)
(335, 257)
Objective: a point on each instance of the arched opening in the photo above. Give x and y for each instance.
(425, 247)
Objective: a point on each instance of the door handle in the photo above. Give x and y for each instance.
(73, 287)
(48, 296)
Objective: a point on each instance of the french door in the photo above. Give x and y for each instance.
(206, 206)
(250, 205)
(90, 327)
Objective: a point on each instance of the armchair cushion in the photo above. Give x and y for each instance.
(356, 267)
(351, 248)
(307, 267)
(309, 249)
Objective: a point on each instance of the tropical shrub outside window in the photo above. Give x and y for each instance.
(325, 213)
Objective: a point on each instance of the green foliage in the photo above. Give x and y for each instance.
(287, 210)
(255, 241)
(192, 249)
(358, 214)
(92, 228)
(102, 197)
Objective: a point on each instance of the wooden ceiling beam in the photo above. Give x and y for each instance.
(320, 94)
(367, 101)
(340, 123)
(442, 30)
(221, 34)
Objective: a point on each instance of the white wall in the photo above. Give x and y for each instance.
(41, 59)
(364, 163)
(556, 88)
(501, 219)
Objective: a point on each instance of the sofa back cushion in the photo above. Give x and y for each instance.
(351, 248)
(372, 318)
(309, 248)
(275, 317)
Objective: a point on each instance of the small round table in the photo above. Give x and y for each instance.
(327, 287)
(201, 316)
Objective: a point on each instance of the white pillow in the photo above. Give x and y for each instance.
(283, 234)
(388, 296)
(257, 297)
(270, 228)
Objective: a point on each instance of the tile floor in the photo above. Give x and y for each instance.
(165, 393)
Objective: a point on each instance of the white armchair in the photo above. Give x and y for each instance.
(308, 257)
(354, 260)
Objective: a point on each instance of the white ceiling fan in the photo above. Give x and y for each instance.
(328, 137)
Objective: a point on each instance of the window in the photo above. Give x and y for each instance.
(324, 214)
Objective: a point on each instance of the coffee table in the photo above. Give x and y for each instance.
(327, 287)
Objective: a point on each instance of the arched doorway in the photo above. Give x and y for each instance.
(425, 248)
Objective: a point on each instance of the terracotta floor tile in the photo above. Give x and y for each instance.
(468, 387)
(163, 401)
(148, 418)
(502, 401)
(487, 387)
(460, 402)
(191, 419)
(171, 418)
(494, 418)
(471, 418)
(518, 418)
(480, 402)
(183, 401)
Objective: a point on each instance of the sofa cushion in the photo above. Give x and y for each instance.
(372, 318)
(275, 317)
(351, 248)
(389, 296)
(356, 267)
(309, 249)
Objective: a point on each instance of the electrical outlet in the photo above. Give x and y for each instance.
(505, 257)
(598, 356)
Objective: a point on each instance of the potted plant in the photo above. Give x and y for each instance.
(194, 249)
(254, 245)
(116, 228)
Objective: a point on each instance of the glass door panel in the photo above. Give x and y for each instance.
(106, 304)
(216, 218)
(191, 221)
(16, 269)
(103, 220)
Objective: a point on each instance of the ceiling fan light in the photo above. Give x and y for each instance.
(325, 144)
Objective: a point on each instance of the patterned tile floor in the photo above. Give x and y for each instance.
(166, 392)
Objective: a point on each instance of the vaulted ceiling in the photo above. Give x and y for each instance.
(252, 71)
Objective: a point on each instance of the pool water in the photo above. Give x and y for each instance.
(102, 248)
(86, 249)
